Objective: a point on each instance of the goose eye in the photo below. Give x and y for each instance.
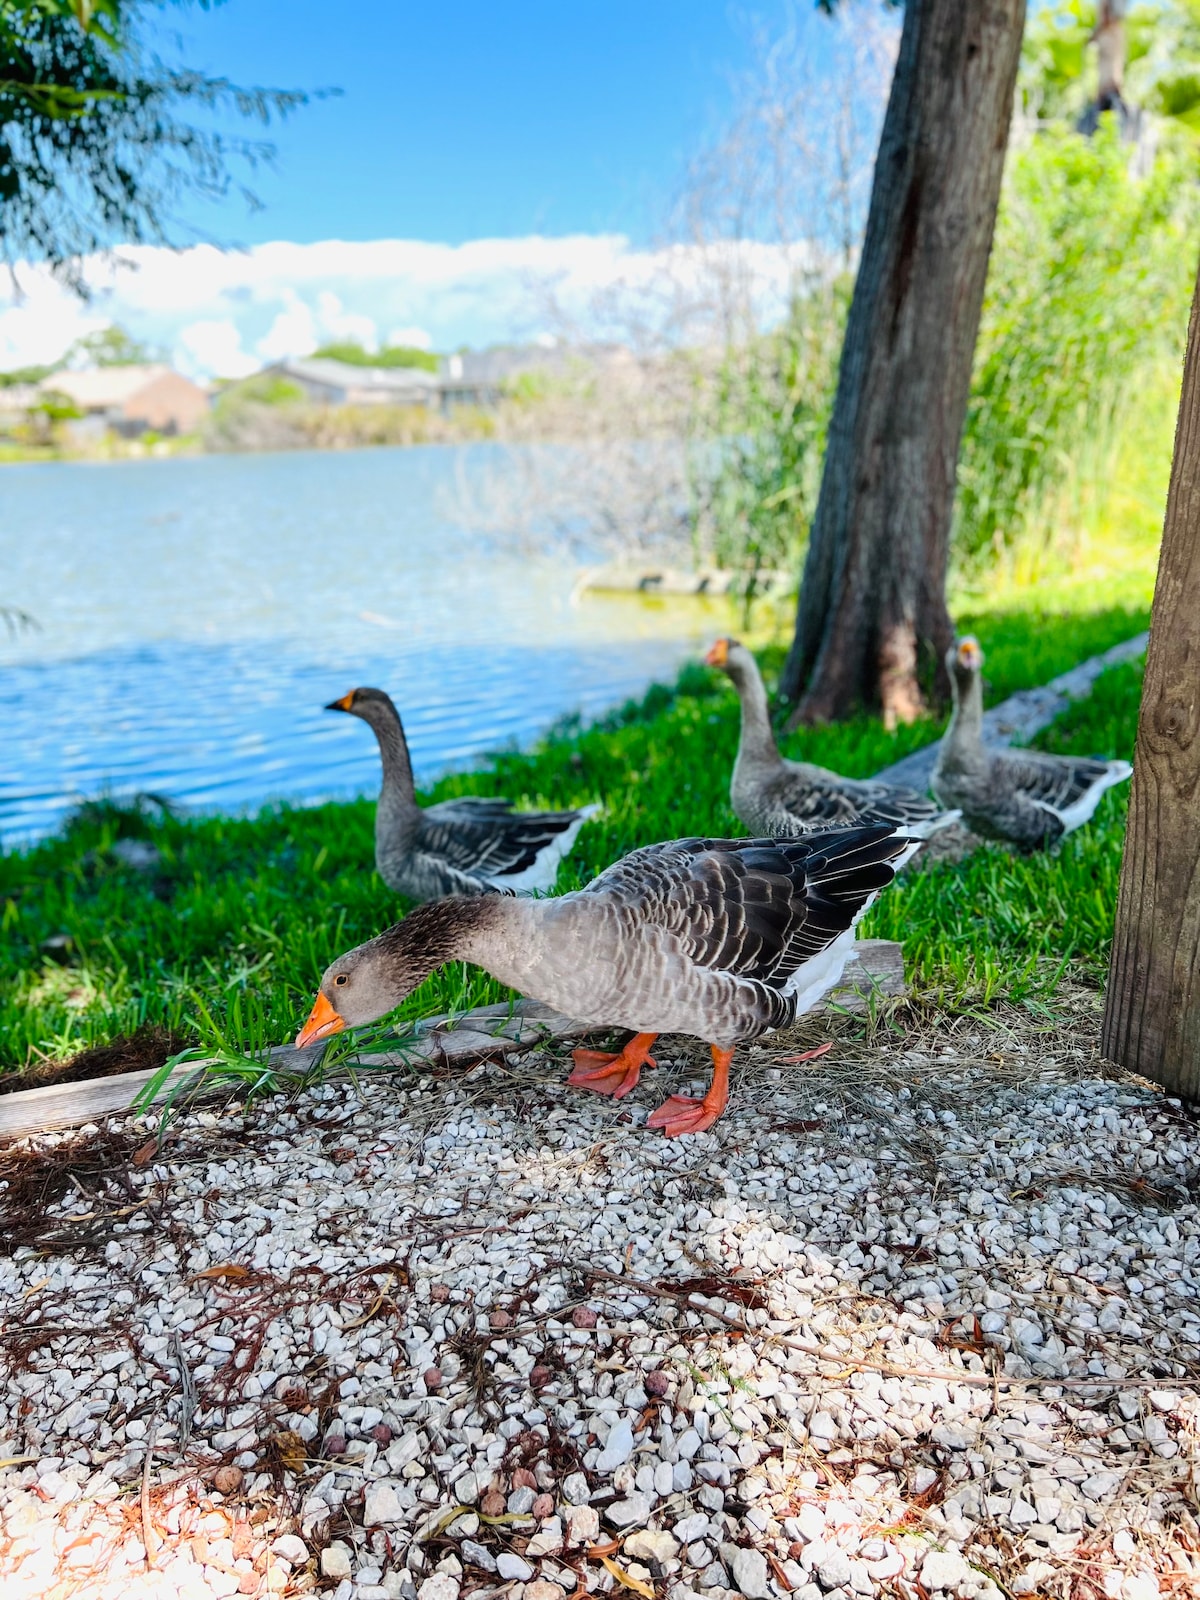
(340, 980)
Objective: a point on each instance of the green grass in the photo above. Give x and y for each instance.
(226, 942)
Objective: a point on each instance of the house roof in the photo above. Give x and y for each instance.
(346, 375)
(103, 387)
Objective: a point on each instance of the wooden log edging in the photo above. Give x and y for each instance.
(458, 1041)
(1023, 714)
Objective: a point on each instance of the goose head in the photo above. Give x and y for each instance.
(374, 978)
(372, 705)
(731, 657)
(964, 662)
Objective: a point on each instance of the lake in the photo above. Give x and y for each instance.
(194, 616)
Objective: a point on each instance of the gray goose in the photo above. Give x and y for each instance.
(724, 938)
(468, 846)
(1028, 797)
(787, 798)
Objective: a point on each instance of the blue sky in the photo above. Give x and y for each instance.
(481, 158)
(476, 120)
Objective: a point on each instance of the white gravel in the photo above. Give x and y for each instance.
(419, 1329)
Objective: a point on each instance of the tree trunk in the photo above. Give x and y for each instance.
(872, 605)
(1152, 1015)
(1110, 54)
(1109, 38)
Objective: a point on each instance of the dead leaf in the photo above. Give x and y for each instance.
(599, 1551)
(288, 1450)
(807, 1055)
(715, 1288)
(145, 1152)
(230, 1269)
(780, 1575)
(627, 1578)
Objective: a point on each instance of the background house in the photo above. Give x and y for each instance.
(341, 383)
(133, 399)
(482, 377)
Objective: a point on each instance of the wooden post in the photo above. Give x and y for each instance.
(1152, 1016)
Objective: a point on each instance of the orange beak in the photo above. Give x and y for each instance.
(343, 704)
(718, 655)
(969, 653)
(323, 1022)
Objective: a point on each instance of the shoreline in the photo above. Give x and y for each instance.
(220, 936)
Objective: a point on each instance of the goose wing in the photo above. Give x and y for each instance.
(492, 843)
(1057, 782)
(798, 802)
(468, 808)
(756, 908)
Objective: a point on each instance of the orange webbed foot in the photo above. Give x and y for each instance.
(682, 1114)
(604, 1072)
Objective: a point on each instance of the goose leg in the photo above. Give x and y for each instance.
(682, 1114)
(605, 1073)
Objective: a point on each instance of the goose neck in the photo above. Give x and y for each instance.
(756, 742)
(966, 723)
(398, 790)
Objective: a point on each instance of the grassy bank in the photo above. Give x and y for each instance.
(222, 942)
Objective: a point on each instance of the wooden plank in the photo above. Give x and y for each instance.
(1023, 714)
(1152, 1011)
(462, 1041)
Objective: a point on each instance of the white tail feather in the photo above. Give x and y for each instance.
(542, 872)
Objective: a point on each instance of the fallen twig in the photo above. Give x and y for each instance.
(890, 1369)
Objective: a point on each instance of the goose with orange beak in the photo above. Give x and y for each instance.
(471, 845)
(788, 798)
(1026, 797)
(721, 938)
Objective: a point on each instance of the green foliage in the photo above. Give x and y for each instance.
(16, 376)
(56, 408)
(111, 347)
(1081, 337)
(92, 147)
(395, 355)
(1087, 300)
(1162, 61)
(755, 492)
(262, 389)
(226, 940)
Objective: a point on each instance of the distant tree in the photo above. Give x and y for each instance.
(93, 148)
(22, 375)
(395, 355)
(872, 611)
(1146, 56)
(111, 347)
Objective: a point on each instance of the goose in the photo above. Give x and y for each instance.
(469, 846)
(785, 798)
(1025, 796)
(721, 938)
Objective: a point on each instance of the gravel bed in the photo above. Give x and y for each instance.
(917, 1318)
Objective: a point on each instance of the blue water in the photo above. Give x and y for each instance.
(195, 615)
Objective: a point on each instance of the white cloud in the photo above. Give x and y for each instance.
(281, 299)
(293, 332)
(212, 347)
(338, 323)
(414, 338)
